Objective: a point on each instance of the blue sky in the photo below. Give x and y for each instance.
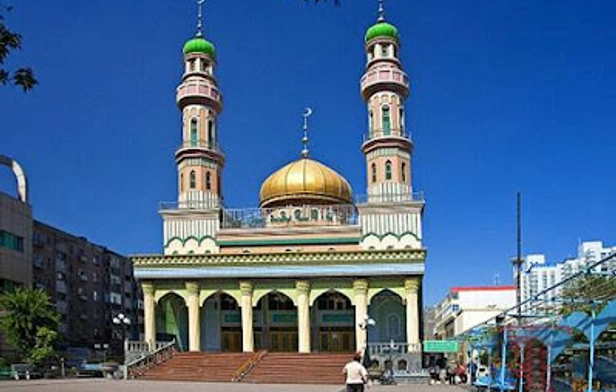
(507, 96)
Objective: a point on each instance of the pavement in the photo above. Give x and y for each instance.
(105, 385)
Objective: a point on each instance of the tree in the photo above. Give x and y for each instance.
(9, 41)
(30, 323)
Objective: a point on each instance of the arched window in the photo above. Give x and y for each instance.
(373, 172)
(401, 114)
(386, 121)
(393, 325)
(385, 51)
(388, 170)
(210, 133)
(193, 132)
(403, 169)
(370, 122)
(208, 181)
(193, 180)
(181, 182)
(191, 65)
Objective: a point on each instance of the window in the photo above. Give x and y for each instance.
(210, 133)
(193, 180)
(393, 325)
(373, 172)
(208, 181)
(386, 121)
(401, 114)
(193, 132)
(370, 121)
(385, 51)
(191, 65)
(403, 169)
(11, 241)
(388, 170)
(181, 182)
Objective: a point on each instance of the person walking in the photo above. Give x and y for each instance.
(356, 374)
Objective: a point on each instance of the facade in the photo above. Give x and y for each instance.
(304, 270)
(89, 285)
(15, 239)
(538, 275)
(465, 307)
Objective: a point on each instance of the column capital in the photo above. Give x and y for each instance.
(360, 286)
(148, 288)
(411, 285)
(192, 288)
(302, 286)
(246, 287)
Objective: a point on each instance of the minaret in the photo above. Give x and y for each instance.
(385, 87)
(199, 158)
(391, 217)
(191, 225)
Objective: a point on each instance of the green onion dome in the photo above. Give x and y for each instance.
(382, 29)
(199, 45)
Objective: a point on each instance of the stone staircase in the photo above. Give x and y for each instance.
(270, 368)
(293, 368)
(205, 367)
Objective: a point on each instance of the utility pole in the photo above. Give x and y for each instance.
(517, 262)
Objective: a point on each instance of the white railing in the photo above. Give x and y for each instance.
(161, 353)
(389, 197)
(250, 218)
(387, 348)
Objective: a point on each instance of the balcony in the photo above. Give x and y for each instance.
(253, 218)
(391, 78)
(199, 92)
(200, 145)
(390, 198)
(190, 205)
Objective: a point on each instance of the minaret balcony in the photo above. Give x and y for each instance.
(200, 145)
(199, 93)
(378, 79)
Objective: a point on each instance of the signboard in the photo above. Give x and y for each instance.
(440, 346)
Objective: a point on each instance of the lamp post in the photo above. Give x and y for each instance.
(364, 324)
(102, 347)
(124, 321)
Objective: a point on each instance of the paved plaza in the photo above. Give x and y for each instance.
(103, 385)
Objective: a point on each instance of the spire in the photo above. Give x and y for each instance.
(200, 18)
(381, 12)
(307, 113)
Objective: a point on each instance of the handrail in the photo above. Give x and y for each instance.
(247, 366)
(138, 366)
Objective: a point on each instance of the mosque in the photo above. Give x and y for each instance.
(313, 268)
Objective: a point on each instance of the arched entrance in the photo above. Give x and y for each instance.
(221, 324)
(172, 320)
(334, 321)
(275, 326)
(387, 309)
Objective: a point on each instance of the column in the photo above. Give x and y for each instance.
(411, 288)
(360, 288)
(246, 304)
(149, 313)
(303, 315)
(194, 319)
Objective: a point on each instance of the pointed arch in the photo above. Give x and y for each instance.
(194, 131)
(208, 181)
(403, 171)
(373, 170)
(386, 120)
(193, 180)
(388, 170)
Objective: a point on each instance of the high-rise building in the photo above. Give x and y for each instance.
(308, 268)
(538, 275)
(88, 283)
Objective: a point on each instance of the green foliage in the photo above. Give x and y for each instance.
(10, 41)
(30, 323)
(585, 292)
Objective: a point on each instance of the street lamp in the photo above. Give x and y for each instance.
(364, 324)
(124, 321)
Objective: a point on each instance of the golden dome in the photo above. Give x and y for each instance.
(305, 181)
